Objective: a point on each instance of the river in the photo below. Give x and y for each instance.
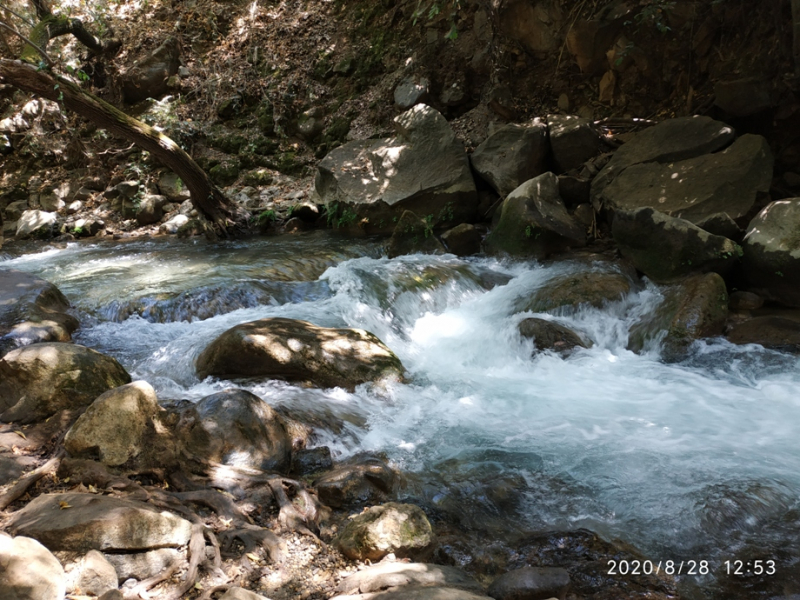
(695, 460)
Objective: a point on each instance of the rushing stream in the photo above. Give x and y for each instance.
(697, 460)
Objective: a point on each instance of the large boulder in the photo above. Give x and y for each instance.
(423, 168)
(548, 335)
(39, 380)
(392, 528)
(299, 351)
(588, 288)
(463, 239)
(730, 181)
(692, 309)
(771, 331)
(413, 235)
(82, 522)
(387, 575)
(36, 223)
(573, 141)
(511, 156)
(365, 480)
(148, 77)
(534, 222)
(28, 571)
(772, 252)
(666, 248)
(92, 575)
(669, 141)
(115, 426)
(32, 310)
(237, 428)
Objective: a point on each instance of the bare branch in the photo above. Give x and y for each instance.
(16, 14)
(47, 59)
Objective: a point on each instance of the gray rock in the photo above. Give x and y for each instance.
(571, 291)
(15, 209)
(745, 301)
(74, 207)
(534, 222)
(174, 224)
(721, 224)
(692, 309)
(413, 235)
(729, 181)
(771, 331)
(772, 252)
(36, 223)
(238, 593)
(669, 141)
(88, 227)
(237, 428)
(742, 97)
(411, 91)
(32, 310)
(392, 528)
(51, 202)
(127, 189)
(92, 575)
(511, 156)
(365, 480)
(95, 522)
(573, 141)
(148, 77)
(171, 186)
(150, 209)
(423, 168)
(28, 571)
(83, 194)
(666, 248)
(531, 583)
(37, 381)
(114, 427)
(462, 240)
(548, 335)
(311, 460)
(299, 351)
(387, 575)
(141, 565)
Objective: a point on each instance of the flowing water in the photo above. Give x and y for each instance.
(697, 460)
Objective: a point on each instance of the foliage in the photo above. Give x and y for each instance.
(434, 8)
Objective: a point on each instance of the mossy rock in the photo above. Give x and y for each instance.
(337, 131)
(286, 162)
(264, 146)
(258, 177)
(191, 228)
(266, 118)
(230, 107)
(229, 143)
(578, 289)
(225, 173)
(248, 160)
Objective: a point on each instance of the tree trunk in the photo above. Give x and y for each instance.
(796, 35)
(206, 197)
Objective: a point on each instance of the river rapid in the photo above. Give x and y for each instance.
(697, 460)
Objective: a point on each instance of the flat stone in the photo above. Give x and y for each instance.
(531, 583)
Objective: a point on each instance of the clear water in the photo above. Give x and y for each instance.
(697, 460)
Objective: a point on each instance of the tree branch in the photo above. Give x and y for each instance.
(47, 59)
(19, 16)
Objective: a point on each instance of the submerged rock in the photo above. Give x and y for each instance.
(28, 571)
(39, 380)
(423, 168)
(772, 252)
(590, 288)
(548, 335)
(365, 480)
(531, 583)
(299, 351)
(392, 528)
(534, 222)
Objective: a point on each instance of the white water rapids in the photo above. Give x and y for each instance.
(696, 460)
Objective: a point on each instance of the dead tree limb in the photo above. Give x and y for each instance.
(25, 482)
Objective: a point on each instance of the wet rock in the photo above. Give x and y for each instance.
(534, 222)
(93, 575)
(745, 301)
(772, 252)
(174, 224)
(530, 583)
(87, 227)
(114, 427)
(150, 209)
(413, 235)
(392, 528)
(742, 97)
(774, 332)
(95, 522)
(299, 351)
(141, 565)
(462, 240)
(669, 141)
(692, 309)
(311, 460)
(364, 481)
(721, 224)
(423, 168)
(573, 141)
(28, 571)
(38, 380)
(395, 574)
(238, 593)
(666, 248)
(237, 428)
(308, 212)
(148, 77)
(511, 156)
(36, 223)
(730, 181)
(548, 335)
(411, 91)
(32, 310)
(578, 289)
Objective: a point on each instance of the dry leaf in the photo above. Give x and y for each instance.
(22, 435)
(252, 557)
(64, 504)
(197, 586)
(92, 489)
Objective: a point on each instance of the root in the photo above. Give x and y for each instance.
(253, 538)
(25, 482)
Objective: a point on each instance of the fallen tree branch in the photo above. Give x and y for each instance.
(25, 482)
